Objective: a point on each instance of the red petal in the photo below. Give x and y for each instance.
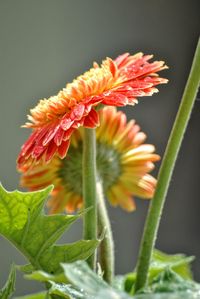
(115, 99)
(92, 120)
(63, 148)
(120, 59)
(66, 122)
(59, 136)
(68, 134)
(41, 133)
(136, 84)
(50, 135)
(28, 152)
(51, 149)
(38, 150)
(77, 112)
(29, 142)
(134, 71)
(20, 161)
(113, 67)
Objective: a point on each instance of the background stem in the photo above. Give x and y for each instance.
(107, 244)
(89, 189)
(166, 170)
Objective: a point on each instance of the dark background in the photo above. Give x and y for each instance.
(46, 43)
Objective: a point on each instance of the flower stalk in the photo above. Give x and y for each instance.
(166, 171)
(107, 244)
(89, 190)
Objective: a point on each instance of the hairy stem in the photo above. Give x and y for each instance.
(89, 189)
(166, 170)
(107, 244)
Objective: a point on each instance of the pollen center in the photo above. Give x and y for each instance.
(108, 167)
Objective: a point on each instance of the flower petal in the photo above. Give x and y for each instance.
(92, 119)
(63, 148)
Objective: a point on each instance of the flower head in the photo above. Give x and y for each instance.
(116, 82)
(123, 165)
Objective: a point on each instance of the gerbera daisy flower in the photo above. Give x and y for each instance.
(123, 165)
(116, 82)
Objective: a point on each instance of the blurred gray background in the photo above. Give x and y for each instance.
(46, 43)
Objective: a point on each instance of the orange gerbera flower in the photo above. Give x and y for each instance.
(123, 165)
(116, 82)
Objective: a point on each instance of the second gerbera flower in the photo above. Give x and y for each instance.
(123, 164)
(116, 82)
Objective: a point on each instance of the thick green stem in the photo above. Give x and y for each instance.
(107, 244)
(166, 170)
(89, 189)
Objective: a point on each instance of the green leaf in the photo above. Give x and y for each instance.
(160, 261)
(43, 276)
(81, 276)
(26, 269)
(42, 295)
(85, 284)
(112, 294)
(178, 262)
(24, 224)
(85, 280)
(168, 284)
(179, 295)
(88, 284)
(9, 287)
(170, 281)
(68, 291)
(118, 282)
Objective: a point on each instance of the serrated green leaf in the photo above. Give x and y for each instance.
(24, 224)
(42, 295)
(9, 287)
(160, 261)
(68, 253)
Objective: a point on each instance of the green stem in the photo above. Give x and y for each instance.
(89, 189)
(107, 244)
(166, 170)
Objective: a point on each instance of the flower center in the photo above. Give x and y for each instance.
(108, 167)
